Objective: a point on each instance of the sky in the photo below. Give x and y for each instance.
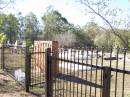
(73, 11)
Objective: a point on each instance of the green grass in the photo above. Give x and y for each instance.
(39, 90)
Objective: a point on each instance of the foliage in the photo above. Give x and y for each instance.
(104, 39)
(129, 42)
(28, 42)
(82, 38)
(58, 28)
(9, 26)
(31, 27)
(3, 38)
(54, 23)
(21, 26)
(91, 29)
(126, 36)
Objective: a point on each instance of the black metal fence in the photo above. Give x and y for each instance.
(21, 64)
(37, 73)
(89, 72)
(81, 72)
(13, 62)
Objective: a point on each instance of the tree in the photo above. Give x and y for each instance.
(125, 34)
(9, 26)
(104, 39)
(58, 28)
(82, 39)
(54, 23)
(21, 26)
(31, 27)
(100, 8)
(91, 29)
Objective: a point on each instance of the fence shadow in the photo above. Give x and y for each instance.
(77, 80)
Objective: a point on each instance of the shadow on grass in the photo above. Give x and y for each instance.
(77, 80)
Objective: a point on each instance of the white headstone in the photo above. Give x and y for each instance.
(19, 75)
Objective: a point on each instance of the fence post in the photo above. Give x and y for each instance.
(49, 75)
(106, 81)
(2, 57)
(27, 69)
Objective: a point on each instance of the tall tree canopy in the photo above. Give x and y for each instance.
(54, 23)
(31, 27)
(9, 26)
(91, 29)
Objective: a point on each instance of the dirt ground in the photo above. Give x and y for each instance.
(10, 88)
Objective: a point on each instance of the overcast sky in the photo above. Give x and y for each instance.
(70, 9)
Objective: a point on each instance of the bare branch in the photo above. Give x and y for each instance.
(6, 4)
(103, 18)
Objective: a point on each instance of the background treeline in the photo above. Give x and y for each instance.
(56, 27)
